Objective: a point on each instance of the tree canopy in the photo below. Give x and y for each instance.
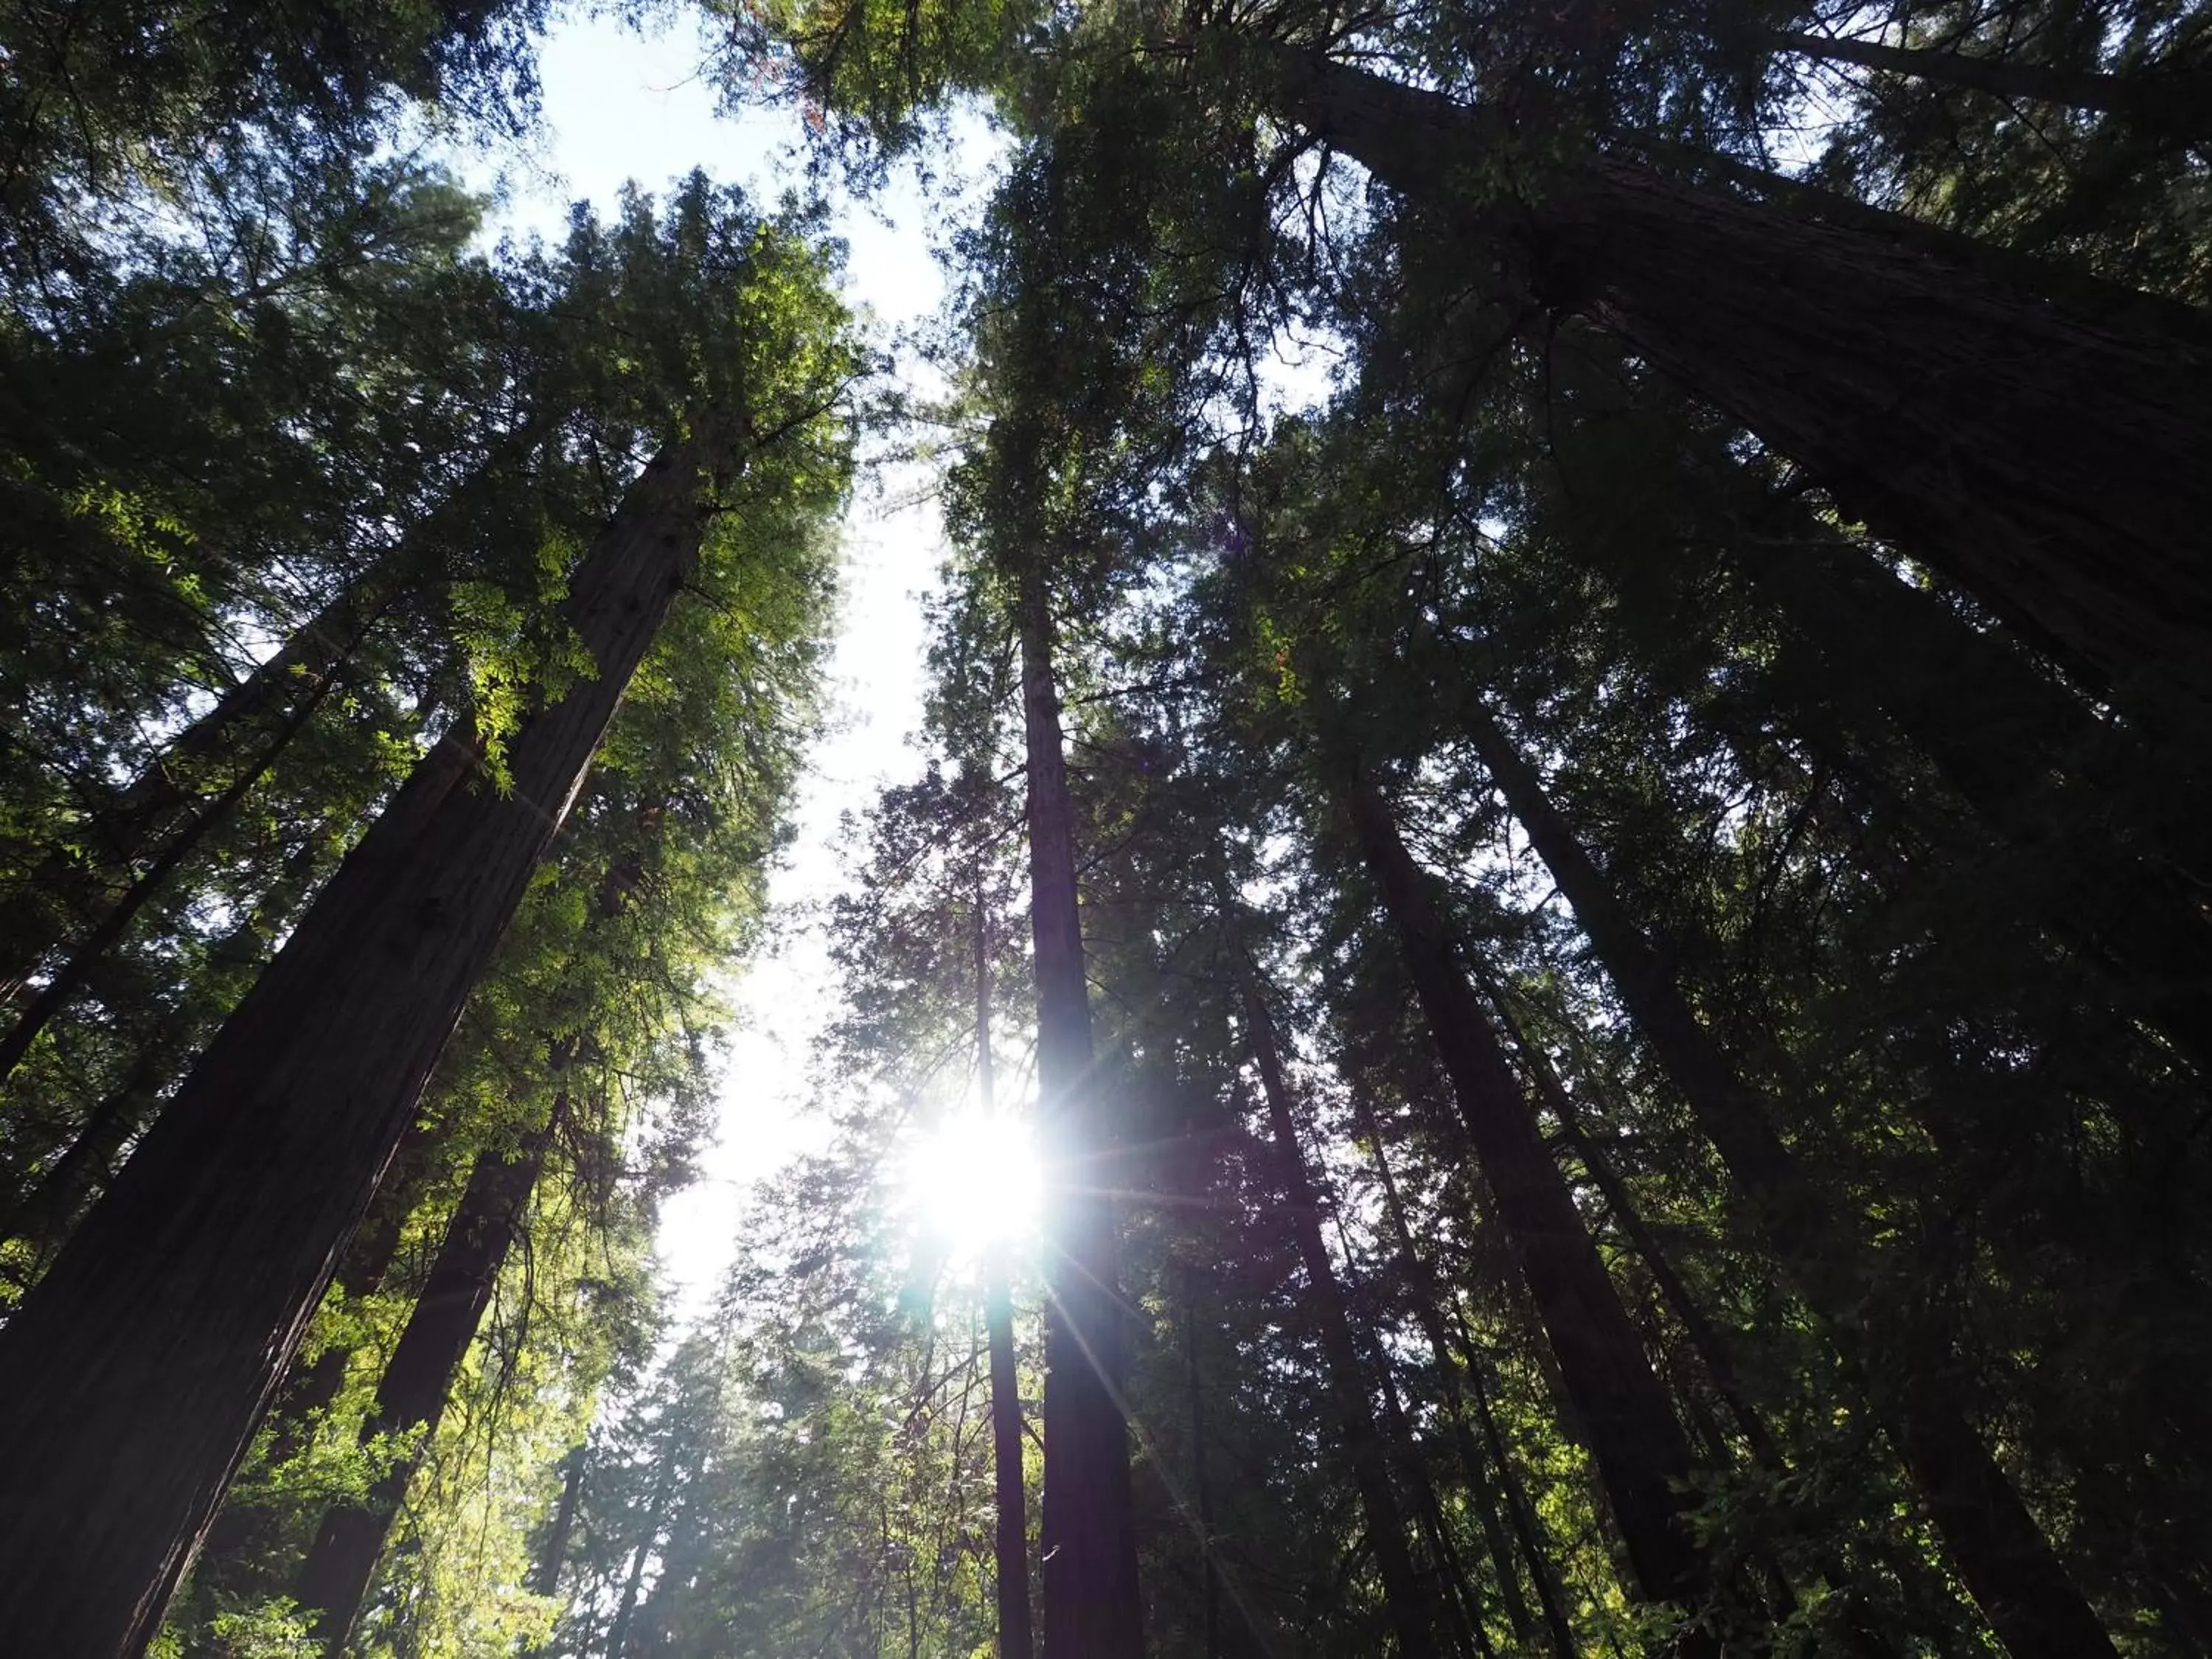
(1542, 986)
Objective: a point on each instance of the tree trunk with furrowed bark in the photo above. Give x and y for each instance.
(137, 1370)
(2050, 462)
(1091, 1605)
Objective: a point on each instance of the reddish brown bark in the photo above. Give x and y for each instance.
(138, 1368)
(2049, 462)
(1011, 1535)
(1092, 1608)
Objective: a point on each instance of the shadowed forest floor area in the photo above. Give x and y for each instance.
(1537, 980)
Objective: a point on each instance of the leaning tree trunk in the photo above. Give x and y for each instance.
(44, 1215)
(1478, 1465)
(231, 1559)
(1406, 1600)
(1456, 1585)
(165, 810)
(411, 1396)
(135, 1371)
(1716, 1352)
(169, 799)
(2171, 103)
(553, 1554)
(1643, 1460)
(1201, 1484)
(2051, 464)
(1011, 1491)
(2028, 757)
(89, 954)
(1092, 1608)
(1999, 1550)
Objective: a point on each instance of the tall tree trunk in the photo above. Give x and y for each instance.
(626, 1609)
(76, 970)
(45, 1213)
(1462, 1607)
(1091, 1609)
(2176, 102)
(1529, 1530)
(2022, 752)
(411, 1396)
(43, 1217)
(2008, 265)
(1713, 1349)
(2051, 464)
(232, 1559)
(167, 802)
(2001, 1553)
(164, 801)
(1643, 1460)
(1427, 1300)
(138, 1368)
(553, 1553)
(1194, 1386)
(1406, 1600)
(1013, 1533)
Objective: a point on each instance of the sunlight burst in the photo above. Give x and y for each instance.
(974, 1181)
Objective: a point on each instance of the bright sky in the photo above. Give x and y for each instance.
(620, 106)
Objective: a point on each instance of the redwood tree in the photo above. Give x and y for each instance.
(141, 1364)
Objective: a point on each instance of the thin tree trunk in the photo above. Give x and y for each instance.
(159, 805)
(1091, 1608)
(1710, 1346)
(411, 1396)
(1462, 1607)
(553, 1555)
(1716, 1351)
(2174, 102)
(229, 1559)
(89, 953)
(2001, 1553)
(136, 1370)
(1426, 1299)
(46, 1214)
(2050, 464)
(2021, 751)
(164, 800)
(1406, 1601)
(1644, 1459)
(1194, 1381)
(1012, 1535)
(626, 1609)
(1528, 1525)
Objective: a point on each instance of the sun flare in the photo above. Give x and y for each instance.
(974, 1180)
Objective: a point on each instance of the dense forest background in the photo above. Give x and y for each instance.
(1557, 1002)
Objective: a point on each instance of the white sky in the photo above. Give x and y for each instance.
(621, 107)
